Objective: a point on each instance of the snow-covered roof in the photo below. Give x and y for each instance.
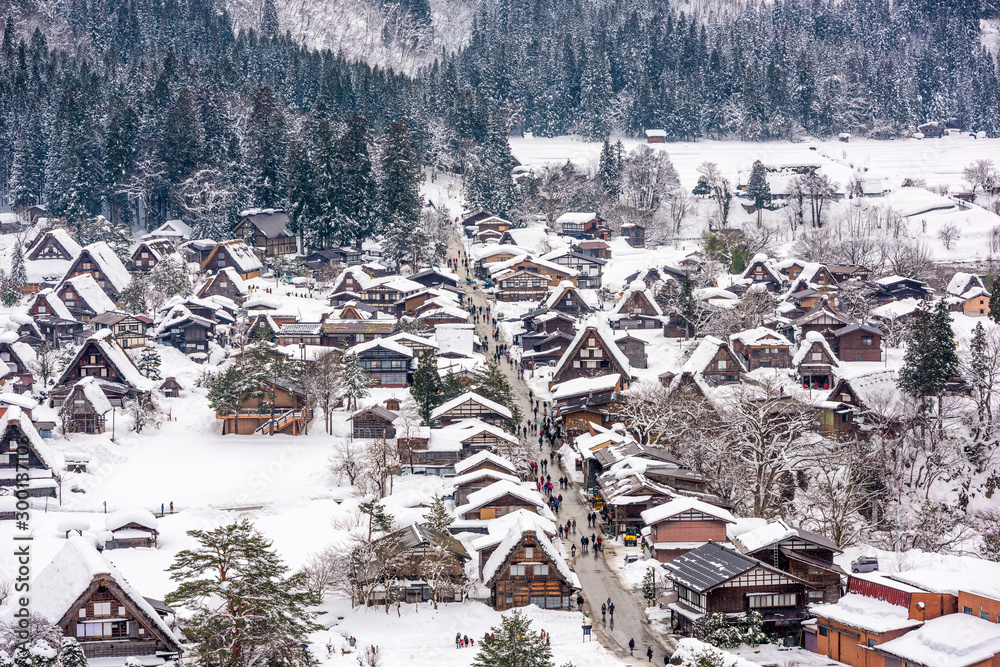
(468, 428)
(481, 457)
(604, 335)
(62, 237)
(172, 228)
(866, 613)
(761, 336)
(109, 264)
(477, 475)
(683, 504)
(486, 252)
(497, 490)
(70, 574)
(131, 515)
(58, 308)
(13, 415)
(95, 395)
(23, 401)
(87, 289)
(384, 343)
(703, 355)
(764, 536)
(894, 309)
(114, 353)
(637, 287)
(244, 258)
(813, 338)
(953, 640)
(499, 267)
(514, 536)
(476, 398)
(584, 385)
(960, 281)
(578, 217)
(656, 133)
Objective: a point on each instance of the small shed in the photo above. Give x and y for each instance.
(373, 422)
(634, 234)
(171, 388)
(656, 136)
(130, 528)
(844, 137)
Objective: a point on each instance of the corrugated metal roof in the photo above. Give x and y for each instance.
(707, 566)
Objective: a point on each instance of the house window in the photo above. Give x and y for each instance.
(529, 552)
(872, 642)
(541, 570)
(815, 595)
(816, 356)
(967, 610)
(866, 341)
(722, 364)
(985, 615)
(772, 600)
(822, 631)
(517, 570)
(102, 609)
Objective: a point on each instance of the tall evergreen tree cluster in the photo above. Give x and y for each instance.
(766, 70)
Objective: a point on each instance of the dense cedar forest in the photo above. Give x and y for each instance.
(142, 110)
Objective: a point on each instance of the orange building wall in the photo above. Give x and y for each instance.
(935, 605)
(843, 646)
(689, 531)
(979, 603)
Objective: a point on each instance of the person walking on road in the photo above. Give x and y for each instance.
(649, 654)
(611, 608)
(631, 646)
(604, 612)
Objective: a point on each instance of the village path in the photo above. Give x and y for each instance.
(598, 581)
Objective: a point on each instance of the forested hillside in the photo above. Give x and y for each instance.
(142, 110)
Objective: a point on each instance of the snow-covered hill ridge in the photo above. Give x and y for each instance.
(380, 34)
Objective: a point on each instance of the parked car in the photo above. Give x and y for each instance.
(864, 564)
(631, 558)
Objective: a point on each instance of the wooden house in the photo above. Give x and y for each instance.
(821, 318)
(634, 234)
(762, 348)
(544, 349)
(636, 309)
(656, 136)
(932, 130)
(419, 553)
(182, 329)
(815, 362)
(17, 359)
(941, 640)
(801, 553)
(171, 388)
(85, 408)
(290, 412)
(82, 593)
(102, 357)
(857, 342)
(373, 422)
(634, 349)
(473, 218)
(485, 461)
(128, 330)
(84, 298)
(897, 288)
(525, 568)
(583, 225)
(554, 273)
(435, 276)
(682, 524)
(712, 579)
(842, 272)
(471, 406)
(598, 249)
(469, 483)
(234, 254)
(150, 253)
(715, 362)
(23, 451)
(196, 250)
(347, 332)
(100, 262)
(130, 529)
(591, 354)
(268, 229)
(761, 272)
(499, 499)
(53, 244)
(387, 363)
(589, 269)
(175, 231)
(520, 285)
(226, 283)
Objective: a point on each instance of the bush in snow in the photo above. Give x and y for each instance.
(717, 629)
(43, 647)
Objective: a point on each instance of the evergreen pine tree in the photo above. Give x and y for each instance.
(701, 188)
(438, 517)
(18, 272)
(266, 149)
(379, 520)
(513, 644)
(492, 383)
(931, 360)
(609, 171)
(758, 189)
(269, 19)
(995, 302)
(354, 380)
(687, 305)
(649, 586)
(426, 386)
(351, 204)
(233, 569)
(25, 173)
(489, 185)
(980, 378)
(149, 363)
(71, 654)
(399, 192)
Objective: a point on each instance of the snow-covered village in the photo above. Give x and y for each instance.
(499, 334)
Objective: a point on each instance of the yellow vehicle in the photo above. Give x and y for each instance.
(595, 499)
(630, 540)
